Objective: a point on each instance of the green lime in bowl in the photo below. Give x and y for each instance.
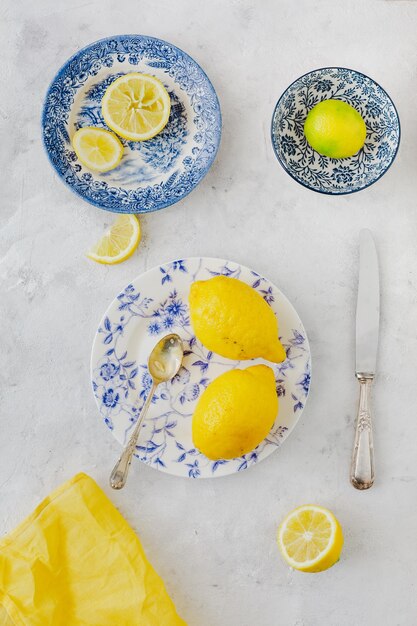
(335, 131)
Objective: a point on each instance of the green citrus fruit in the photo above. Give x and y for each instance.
(335, 129)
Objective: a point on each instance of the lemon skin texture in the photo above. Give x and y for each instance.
(232, 319)
(235, 412)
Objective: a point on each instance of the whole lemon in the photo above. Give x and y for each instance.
(235, 412)
(231, 318)
(335, 129)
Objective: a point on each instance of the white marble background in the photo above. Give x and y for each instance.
(214, 541)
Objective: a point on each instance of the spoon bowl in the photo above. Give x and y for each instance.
(166, 358)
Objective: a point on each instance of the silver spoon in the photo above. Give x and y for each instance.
(163, 363)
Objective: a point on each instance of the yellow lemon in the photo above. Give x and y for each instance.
(335, 129)
(119, 242)
(310, 538)
(97, 148)
(231, 318)
(136, 106)
(235, 412)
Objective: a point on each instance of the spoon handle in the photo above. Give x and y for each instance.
(120, 471)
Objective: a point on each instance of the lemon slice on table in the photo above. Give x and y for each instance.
(310, 539)
(119, 242)
(136, 106)
(97, 148)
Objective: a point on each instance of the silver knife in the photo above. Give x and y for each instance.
(362, 472)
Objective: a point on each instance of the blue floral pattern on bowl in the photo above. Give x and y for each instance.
(154, 304)
(152, 174)
(320, 173)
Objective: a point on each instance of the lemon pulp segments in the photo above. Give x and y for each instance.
(310, 539)
(119, 242)
(97, 148)
(136, 106)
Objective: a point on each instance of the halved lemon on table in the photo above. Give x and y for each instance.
(310, 538)
(136, 106)
(97, 148)
(119, 242)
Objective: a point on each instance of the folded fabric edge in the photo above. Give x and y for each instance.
(11, 536)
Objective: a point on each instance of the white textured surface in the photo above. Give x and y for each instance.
(214, 541)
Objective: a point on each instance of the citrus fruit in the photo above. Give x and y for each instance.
(119, 242)
(335, 129)
(310, 538)
(97, 148)
(231, 318)
(235, 412)
(136, 106)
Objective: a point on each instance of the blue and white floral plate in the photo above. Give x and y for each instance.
(320, 173)
(154, 304)
(152, 174)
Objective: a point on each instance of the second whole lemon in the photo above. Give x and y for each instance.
(235, 412)
(335, 129)
(231, 318)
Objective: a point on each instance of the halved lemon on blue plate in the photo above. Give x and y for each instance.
(136, 106)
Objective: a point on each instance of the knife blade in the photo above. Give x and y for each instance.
(362, 473)
(367, 308)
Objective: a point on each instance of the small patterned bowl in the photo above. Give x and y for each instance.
(320, 173)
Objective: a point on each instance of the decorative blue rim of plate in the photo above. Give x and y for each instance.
(337, 176)
(161, 56)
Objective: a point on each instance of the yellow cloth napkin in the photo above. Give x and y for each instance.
(76, 562)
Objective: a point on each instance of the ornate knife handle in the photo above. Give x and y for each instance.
(362, 469)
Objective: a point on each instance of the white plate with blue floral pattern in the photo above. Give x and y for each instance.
(153, 174)
(320, 173)
(154, 304)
